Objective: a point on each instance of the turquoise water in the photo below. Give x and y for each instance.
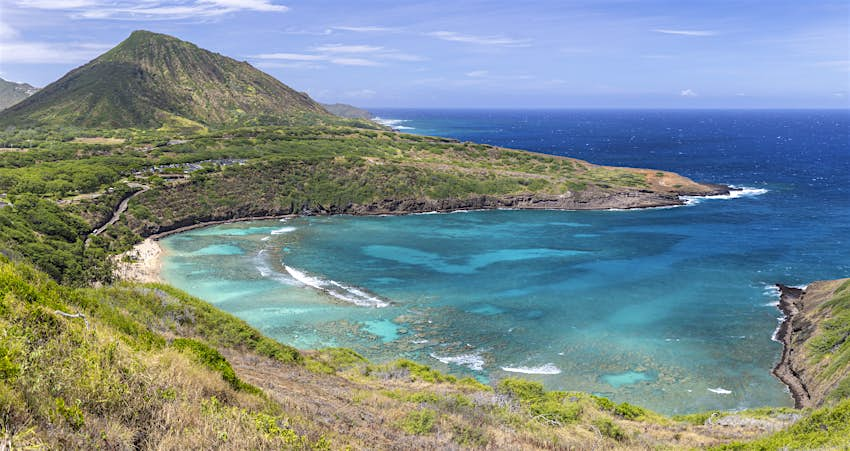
(637, 306)
(672, 309)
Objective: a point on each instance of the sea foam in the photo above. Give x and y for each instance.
(735, 193)
(471, 361)
(772, 291)
(262, 266)
(720, 391)
(548, 368)
(338, 290)
(394, 123)
(283, 230)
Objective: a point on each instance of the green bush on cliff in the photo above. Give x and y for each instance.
(825, 428)
(554, 408)
(419, 422)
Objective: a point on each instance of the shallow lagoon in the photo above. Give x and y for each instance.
(672, 309)
(650, 308)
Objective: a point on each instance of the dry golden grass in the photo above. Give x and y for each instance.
(98, 140)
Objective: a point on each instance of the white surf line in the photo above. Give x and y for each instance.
(335, 289)
(548, 368)
(735, 192)
(720, 391)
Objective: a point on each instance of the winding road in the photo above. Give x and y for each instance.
(121, 208)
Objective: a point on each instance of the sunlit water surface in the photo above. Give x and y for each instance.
(672, 308)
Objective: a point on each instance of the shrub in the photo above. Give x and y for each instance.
(422, 372)
(72, 414)
(419, 422)
(609, 429)
(553, 408)
(522, 390)
(603, 403)
(629, 412)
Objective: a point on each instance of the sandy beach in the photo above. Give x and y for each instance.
(144, 263)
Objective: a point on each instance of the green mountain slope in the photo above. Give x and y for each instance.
(12, 93)
(153, 79)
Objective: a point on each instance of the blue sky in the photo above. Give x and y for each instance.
(552, 54)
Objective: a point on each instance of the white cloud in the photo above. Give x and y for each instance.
(340, 48)
(7, 32)
(152, 9)
(842, 65)
(50, 53)
(304, 57)
(330, 30)
(688, 93)
(297, 31)
(57, 4)
(480, 40)
(290, 57)
(368, 29)
(354, 62)
(360, 94)
(247, 5)
(344, 55)
(477, 73)
(288, 65)
(685, 32)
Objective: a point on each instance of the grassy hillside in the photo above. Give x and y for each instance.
(818, 354)
(153, 80)
(148, 366)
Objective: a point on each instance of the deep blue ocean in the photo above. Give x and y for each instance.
(669, 308)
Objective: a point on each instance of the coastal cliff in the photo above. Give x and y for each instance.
(627, 199)
(815, 361)
(371, 172)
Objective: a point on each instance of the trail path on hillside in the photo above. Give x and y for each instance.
(121, 208)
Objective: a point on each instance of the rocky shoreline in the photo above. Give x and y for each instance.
(143, 264)
(790, 303)
(591, 200)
